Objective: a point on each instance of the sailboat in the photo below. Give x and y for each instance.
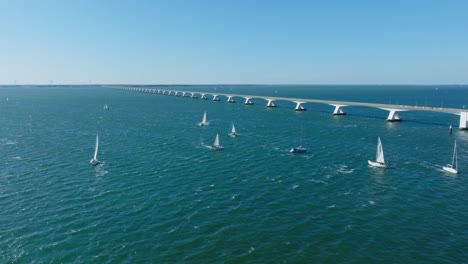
(94, 160)
(216, 145)
(106, 107)
(450, 167)
(379, 157)
(233, 131)
(300, 148)
(203, 122)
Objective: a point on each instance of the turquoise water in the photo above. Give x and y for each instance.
(162, 196)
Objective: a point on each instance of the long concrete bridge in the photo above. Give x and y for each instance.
(339, 105)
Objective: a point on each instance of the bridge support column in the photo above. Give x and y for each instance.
(230, 100)
(184, 94)
(215, 97)
(194, 95)
(338, 110)
(248, 101)
(271, 103)
(203, 97)
(463, 121)
(299, 106)
(393, 114)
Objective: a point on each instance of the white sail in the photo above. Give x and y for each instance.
(216, 142)
(203, 122)
(453, 168)
(380, 154)
(455, 157)
(233, 130)
(96, 148)
(204, 118)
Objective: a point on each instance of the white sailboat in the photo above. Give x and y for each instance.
(203, 122)
(216, 145)
(452, 168)
(94, 160)
(379, 157)
(233, 131)
(106, 107)
(300, 148)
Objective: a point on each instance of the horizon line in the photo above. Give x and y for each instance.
(235, 84)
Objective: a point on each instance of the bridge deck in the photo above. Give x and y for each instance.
(346, 103)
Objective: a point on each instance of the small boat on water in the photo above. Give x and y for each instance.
(452, 168)
(216, 145)
(233, 131)
(379, 157)
(94, 161)
(106, 107)
(203, 122)
(300, 148)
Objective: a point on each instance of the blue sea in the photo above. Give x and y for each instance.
(162, 196)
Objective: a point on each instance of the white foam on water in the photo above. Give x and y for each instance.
(252, 249)
(344, 170)
(318, 181)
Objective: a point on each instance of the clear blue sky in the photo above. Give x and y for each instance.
(234, 42)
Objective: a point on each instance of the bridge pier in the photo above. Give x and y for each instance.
(215, 97)
(463, 121)
(338, 109)
(203, 97)
(184, 94)
(248, 101)
(299, 106)
(230, 100)
(271, 103)
(194, 96)
(393, 114)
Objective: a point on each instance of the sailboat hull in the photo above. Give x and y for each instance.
(298, 150)
(94, 162)
(449, 168)
(218, 147)
(377, 164)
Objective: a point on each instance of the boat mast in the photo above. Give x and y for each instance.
(97, 146)
(455, 158)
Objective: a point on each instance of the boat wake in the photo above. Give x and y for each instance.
(5, 141)
(99, 170)
(344, 170)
